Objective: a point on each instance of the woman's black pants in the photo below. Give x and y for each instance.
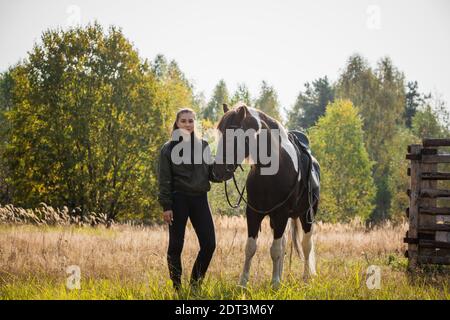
(196, 208)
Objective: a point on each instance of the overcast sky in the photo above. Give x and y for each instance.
(286, 42)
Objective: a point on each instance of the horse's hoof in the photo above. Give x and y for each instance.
(243, 283)
(276, 285)
(241, 287)
(307, 277)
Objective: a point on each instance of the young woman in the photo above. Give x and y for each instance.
(183, 194)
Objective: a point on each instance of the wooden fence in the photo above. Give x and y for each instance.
(428, 237)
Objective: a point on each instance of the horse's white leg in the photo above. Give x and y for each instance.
(276, 252)
(310, 257)
(250, 249)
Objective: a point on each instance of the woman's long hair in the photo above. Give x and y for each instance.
(179, 113)
(194, 135)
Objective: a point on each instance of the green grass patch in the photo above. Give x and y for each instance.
(336, 279)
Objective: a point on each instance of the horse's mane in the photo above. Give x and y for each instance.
(271, 122)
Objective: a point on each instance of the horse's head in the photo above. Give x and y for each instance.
(237, 129)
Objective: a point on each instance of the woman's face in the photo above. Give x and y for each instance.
(186, 122)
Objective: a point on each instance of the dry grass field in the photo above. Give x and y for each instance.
(129, 262)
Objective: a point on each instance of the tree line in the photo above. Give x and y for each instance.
(82, 119)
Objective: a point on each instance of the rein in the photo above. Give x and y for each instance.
(241, 193)
(241, 197)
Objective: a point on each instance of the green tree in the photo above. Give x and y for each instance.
(414, 99)
(160, 67)
(6, 104)
(425, 124)
(347, 188)
(214, 107)
(442, 112)
(268, 101)
(310, 104)
(86, 124)
(379, 96)
(177, 91)
(397, 178)
(241, 94)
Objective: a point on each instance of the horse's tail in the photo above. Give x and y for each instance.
(296, 236)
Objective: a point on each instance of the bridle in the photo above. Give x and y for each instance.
(241, 193)
(234, 166)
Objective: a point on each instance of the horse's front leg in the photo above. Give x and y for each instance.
(253, 224)
(250, 250)
(276, 252)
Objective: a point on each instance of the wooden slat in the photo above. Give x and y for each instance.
(434, 211)
(440, 158)
(427, 235)
(436, 175)
(433, 244)
(436, 142)
(411, 240)
(414, 206)
(442, 236)
(424, 243)
(412, 156)
(429, 151)
(434, 227)
(433, 260)
(434, 193)
(436, 252)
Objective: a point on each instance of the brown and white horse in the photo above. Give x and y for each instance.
(280, 195)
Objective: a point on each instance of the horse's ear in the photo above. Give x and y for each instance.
(225, 108)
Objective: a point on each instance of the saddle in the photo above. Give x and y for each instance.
(309, 166)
